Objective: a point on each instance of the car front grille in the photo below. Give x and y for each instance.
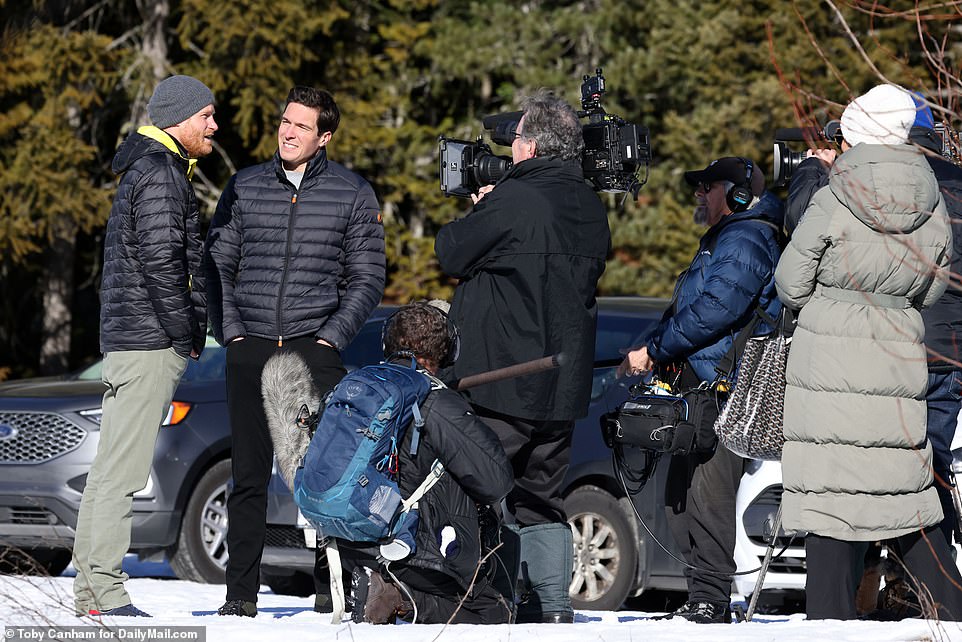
(31, 515)
(284, 537)
(789, 565)
(36, 437)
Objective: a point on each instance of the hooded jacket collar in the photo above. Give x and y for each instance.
(168, 141)
(769, 209)
(889, 188)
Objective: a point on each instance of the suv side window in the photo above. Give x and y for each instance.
(366, 347)
(615, 333)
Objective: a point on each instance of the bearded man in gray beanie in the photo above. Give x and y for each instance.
(153, 317)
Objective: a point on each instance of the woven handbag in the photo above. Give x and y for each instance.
(750, 424)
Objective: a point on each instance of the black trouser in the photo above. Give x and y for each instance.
(830, 583)
(700, 504)
(437, 595)
(252, 451)
(540, 452)
(438, 598)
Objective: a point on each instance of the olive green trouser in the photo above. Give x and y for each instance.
(141, 385)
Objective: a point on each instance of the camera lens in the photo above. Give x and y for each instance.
(488, 168)
(785, 163)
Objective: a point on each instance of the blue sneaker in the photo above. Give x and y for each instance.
(127, 610)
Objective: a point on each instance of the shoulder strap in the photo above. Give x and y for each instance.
(726, 366)
(437, 470)
(337, 583)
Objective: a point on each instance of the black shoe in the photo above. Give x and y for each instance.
(898, 601)
(550, 617)
(708, 613)
(238, 607)
(323, 603)
(563, 617)
(882, 615)
(127, 610)
(681, 611)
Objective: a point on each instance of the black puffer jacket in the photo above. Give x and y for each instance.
(152, 295)
(286, 262)
(529, 256)
(943, 321)
(810, 176)
(477, 473)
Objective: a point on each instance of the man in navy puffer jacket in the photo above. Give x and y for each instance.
(731, 275)
(152, 318)
(295, 261)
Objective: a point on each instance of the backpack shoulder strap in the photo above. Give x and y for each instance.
(436, 384)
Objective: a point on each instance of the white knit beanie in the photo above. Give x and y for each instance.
(882, 116)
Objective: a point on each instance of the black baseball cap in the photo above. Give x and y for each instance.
(729, 168)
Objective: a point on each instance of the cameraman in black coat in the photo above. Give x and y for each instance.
(455, 525)
(943, 321)
(529, 256)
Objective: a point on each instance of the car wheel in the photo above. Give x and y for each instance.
(294, 583)
(201, 553)
(605, 554)
(34, 561)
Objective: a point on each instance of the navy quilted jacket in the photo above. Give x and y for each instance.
(286, 262)
(732, 273)
(152, 294)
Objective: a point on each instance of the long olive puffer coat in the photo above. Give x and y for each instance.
(871, 250)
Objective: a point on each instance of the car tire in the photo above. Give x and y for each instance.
(34, 561)
(605, 554)
(201, 553)
(294, 583)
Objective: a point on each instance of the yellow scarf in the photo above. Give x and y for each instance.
(165, 139)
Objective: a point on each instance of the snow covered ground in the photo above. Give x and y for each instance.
(32, 601)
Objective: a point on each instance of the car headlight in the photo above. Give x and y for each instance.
(175, 413)
(94, 414)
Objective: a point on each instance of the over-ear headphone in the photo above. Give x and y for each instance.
(453, 350)
(740, 196)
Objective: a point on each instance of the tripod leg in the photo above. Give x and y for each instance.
(760, 582)
(957, 502)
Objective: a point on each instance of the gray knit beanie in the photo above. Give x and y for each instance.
(176, 99)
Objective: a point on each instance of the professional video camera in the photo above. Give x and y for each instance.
(615, 150)
(786, 161)
(948, 139)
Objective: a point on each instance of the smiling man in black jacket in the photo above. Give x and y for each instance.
(152, 318)
(295, 262)
(529, 256)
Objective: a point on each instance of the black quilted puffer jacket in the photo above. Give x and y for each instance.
(477, 472)
(285, 262)
(152, 294)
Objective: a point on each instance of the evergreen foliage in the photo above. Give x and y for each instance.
(709, 78)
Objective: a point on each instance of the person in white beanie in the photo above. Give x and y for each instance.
(872, 249)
